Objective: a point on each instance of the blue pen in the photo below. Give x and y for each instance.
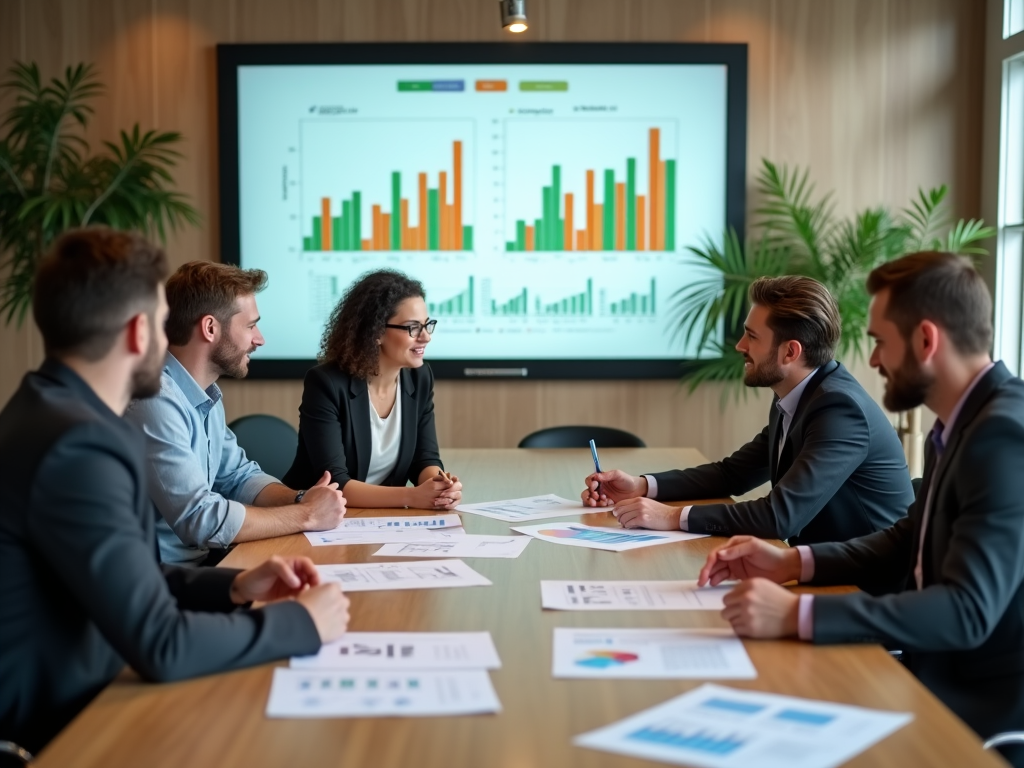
(597, 462)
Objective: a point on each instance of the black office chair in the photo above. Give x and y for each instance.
(269, 441)
(13, 755)
(580, 437)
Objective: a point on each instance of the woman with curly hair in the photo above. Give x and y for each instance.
(367, 413)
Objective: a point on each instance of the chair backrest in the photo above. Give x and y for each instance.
(580, 437)
(269, 441)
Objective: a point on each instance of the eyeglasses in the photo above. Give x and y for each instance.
(415, 329)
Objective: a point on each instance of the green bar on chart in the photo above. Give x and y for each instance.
(355, 228)
(396, 206)
(434, 216)
(556, 236)
(609, 211)
(316, 233)
(467, 237)
(631, 204)
(670, 205)
(520, 235)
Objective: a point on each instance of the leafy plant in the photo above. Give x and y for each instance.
(797, 234)
(49, 183)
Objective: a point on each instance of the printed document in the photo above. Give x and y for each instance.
(530, 508)
(631, 596)
(343, 693)
(597, 537)
(657, 654)
(425, 574)
(717, 727)
(380, 530)
(458, 546)
(404, 650)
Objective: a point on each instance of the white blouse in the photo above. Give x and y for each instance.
(385, 440)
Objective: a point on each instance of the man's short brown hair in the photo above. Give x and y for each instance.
(941, 287)
(90, 283)
(202, 288)
(800, 309)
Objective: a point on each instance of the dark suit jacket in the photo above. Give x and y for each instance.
(334, 428)
(841, 474)
(963, 634)
(82, 591)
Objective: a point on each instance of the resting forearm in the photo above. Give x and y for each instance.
(268, 522)
(274, 495)
(364, 495)
(427, 473)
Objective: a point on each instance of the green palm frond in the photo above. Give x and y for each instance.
(796, 233)
(49, 183)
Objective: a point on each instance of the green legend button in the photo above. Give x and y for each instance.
(543, 85)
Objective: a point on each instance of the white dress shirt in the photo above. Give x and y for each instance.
(385, 441)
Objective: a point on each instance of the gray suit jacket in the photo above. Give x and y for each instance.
(82, 590)
(963, 634)
(841, 472)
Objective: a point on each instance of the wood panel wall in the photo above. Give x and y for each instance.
(878, 97)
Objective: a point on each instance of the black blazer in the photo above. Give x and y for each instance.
(334, 428)
(81, 591)
(963, 634)
(841, 474)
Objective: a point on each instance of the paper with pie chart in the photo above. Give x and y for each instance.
(594, 537)
(650, 654)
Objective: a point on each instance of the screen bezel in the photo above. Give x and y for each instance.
(732, 55)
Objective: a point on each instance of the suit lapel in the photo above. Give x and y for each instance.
(780, 456)
(774, 427)
(360, 410)
(935, 467)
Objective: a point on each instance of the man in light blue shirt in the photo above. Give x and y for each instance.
(209, 494)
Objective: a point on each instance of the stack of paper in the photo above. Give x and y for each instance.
(366, 674)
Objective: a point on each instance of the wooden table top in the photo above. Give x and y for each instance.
(218, 720)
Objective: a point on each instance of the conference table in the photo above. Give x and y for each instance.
(219, 720)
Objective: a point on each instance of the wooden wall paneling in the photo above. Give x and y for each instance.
(876, 96)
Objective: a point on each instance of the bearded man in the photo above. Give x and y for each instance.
(835, 463)
(209, 494)
(946, 583)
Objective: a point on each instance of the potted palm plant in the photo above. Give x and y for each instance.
(795, 233)
(49, 181)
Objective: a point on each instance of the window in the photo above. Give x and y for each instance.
(1009, 342)
(1013, 17)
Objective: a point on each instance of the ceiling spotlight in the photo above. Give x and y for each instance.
(513, 15)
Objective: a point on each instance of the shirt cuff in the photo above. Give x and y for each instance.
(253, 487)
(805, 617)
(684, 518)
(230, 527)
(806, 563)
(652, 487)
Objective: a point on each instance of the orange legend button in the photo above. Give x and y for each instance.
(492, 85)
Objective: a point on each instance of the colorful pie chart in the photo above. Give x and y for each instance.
(602, 659)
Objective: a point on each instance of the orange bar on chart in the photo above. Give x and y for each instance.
(422, 226)
(567, 229)
(385, 223)
(661, 206)
(404, 226)
(457, 206)
(581, 239)
(653, 161)
(529, 238)
(367, 244)
(325, 224)
(596, 235)
(591, 225)
(376, 234)
(641, 222)
(442, 210)
(620, 216)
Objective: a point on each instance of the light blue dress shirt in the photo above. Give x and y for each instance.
(199, 477)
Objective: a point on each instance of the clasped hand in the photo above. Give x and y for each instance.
(436, 492)
(627, 495)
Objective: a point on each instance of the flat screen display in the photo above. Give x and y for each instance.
(544, 201)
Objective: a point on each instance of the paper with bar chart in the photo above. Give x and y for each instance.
(654, 654)
(420, 574)
(603, 537)
(538, 204)
(718, 727)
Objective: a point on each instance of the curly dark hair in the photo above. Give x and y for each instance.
(350, 338)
